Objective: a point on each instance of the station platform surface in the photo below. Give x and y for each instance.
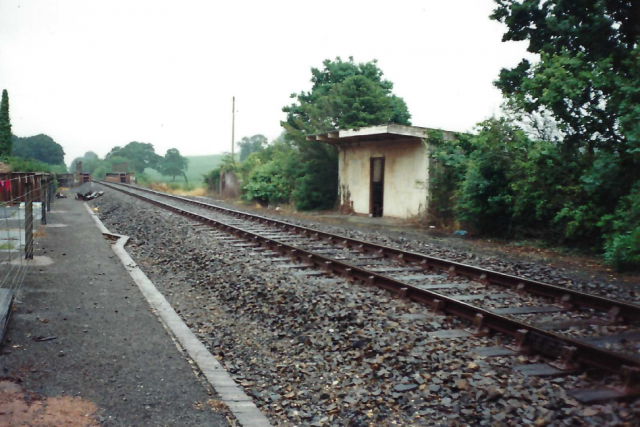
(83, 346)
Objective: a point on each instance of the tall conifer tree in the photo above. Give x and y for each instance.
(5, 125)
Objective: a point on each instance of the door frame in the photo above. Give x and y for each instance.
(371, 160)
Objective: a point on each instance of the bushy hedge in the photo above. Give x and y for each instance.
(500, 182)
(622, 241)
(267, 184)
(19, 164)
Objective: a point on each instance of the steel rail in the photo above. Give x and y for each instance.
(616, 309)
(570, 352)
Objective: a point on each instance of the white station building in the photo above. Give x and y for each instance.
(384, 170)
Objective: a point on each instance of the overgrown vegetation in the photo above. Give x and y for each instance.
(226, 164)
(566, 165)
(622, 232)
(26, 165)
(270, 175)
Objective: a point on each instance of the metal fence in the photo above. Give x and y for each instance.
(21, 222)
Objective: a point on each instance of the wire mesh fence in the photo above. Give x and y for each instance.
(22, 220)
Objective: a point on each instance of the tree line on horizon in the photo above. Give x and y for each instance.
(138, 156)
(562, 164)
(40, 153)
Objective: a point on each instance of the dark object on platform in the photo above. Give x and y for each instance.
(60, 196)
(44, 339)
(89, 195)
(6, 298)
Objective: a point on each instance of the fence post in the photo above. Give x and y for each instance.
(44, 196)
(28, 221)
(49, 194)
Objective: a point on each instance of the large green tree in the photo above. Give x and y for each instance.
(588, 76)
(251, 144)
(587, 82)
(5, 125)
(91, 155)
(174, 164)
(39, 147)
(141, 154)
(574, 177)
(90, 162)
(344, 95)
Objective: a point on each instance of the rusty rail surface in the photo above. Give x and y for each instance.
(568, 351)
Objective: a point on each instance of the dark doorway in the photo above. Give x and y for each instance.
(377, 186)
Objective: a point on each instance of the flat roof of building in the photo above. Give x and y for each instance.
(388, 132)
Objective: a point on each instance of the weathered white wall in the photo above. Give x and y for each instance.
(406, 177)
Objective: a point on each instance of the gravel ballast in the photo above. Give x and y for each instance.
(460, 250)
(325, 352)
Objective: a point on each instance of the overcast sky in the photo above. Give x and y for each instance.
(96, 74)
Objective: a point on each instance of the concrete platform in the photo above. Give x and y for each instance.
(82, 331)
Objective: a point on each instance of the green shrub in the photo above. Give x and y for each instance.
(450, 159)
(267, 184)
(622, 241)
(212, 179)
(143, 179)
(485, 200)
(25, 165)
(622, 252)
(316, 188)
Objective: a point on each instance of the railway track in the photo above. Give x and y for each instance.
(490, 301)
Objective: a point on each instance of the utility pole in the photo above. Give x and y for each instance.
(233, 130)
